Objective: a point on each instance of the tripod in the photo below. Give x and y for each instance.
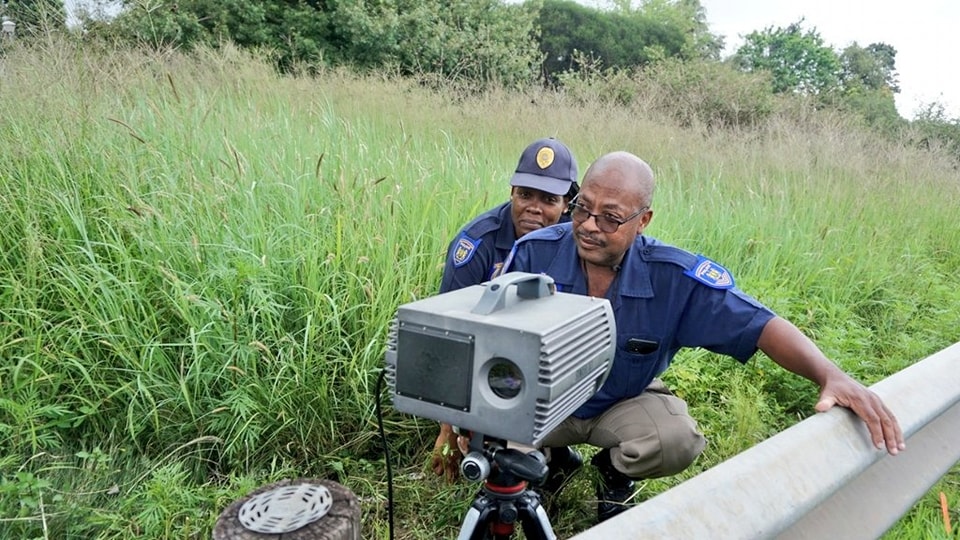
(505, 496)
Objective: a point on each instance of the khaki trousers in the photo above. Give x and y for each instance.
(650, 435)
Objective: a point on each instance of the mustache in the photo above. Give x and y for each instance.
(592, 238)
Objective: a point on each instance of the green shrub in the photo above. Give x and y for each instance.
(706, 93)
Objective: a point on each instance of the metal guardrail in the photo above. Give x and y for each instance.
(821, 478)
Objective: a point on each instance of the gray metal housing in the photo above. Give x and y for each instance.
(440, 351)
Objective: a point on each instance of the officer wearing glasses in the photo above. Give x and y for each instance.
(664, 298)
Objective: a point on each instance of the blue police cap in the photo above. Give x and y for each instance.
(547, 165)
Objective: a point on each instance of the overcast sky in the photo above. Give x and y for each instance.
(925, 33)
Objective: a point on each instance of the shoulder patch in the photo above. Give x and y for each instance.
(464, 249)
(710, 273)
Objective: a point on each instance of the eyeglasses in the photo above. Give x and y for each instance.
(605, 222)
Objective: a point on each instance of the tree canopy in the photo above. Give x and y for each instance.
(615, 39)
(798, 59)
(872, 67)
(690, 18)
(624, 35)
(477, 39)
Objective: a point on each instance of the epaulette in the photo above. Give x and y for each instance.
(482, 226)
(668, 254)
(549, 234)
(697, 267)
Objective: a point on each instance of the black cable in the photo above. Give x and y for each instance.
(386, 452)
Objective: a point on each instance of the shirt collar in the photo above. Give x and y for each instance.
(634, 275)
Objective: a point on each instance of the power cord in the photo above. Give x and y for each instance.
(386, 451)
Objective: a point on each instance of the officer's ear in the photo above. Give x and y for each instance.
(645, 219)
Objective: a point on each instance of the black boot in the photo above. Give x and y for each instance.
(564, 461)
(615, 489)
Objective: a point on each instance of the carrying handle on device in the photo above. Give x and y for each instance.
(528, 286)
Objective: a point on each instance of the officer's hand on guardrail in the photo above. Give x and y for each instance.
(884, 428)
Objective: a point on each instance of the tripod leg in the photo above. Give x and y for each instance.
(534, 519)
(476, 524)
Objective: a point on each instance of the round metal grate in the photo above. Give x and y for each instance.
(285, 509)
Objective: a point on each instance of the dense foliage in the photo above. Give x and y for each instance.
(616, 39)
(798, 59)
(479, 40)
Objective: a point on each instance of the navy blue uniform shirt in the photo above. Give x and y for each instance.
(478, 251)
(663, 298)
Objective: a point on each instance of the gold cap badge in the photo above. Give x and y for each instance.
(545, 157)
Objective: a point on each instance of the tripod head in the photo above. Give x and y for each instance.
(505, 497)
(490, 459)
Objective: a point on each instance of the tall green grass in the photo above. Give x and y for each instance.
(199, 260)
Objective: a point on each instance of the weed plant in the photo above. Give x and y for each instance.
(199, 260)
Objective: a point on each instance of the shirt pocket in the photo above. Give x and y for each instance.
(635, 365)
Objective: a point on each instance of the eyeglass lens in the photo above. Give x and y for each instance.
(605, 223)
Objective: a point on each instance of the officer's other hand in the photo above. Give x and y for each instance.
(446, 454)
(884, 429)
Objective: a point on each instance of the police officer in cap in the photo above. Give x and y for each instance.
(544, 183)
(542, 186)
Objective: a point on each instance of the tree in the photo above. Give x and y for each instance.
(870, 68)
(613, 38)
(153, 24)
(869, 80)
(481, 40)
(690, 18)
(798, 60)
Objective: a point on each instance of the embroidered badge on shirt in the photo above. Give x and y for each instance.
(710, 273)
(464, 250)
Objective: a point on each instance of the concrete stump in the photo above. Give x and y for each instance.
(342, 521)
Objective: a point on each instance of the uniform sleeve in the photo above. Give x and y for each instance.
(724, 321)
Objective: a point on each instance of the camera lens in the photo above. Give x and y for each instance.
(505, 379)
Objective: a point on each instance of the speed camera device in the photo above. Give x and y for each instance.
(510, 358)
